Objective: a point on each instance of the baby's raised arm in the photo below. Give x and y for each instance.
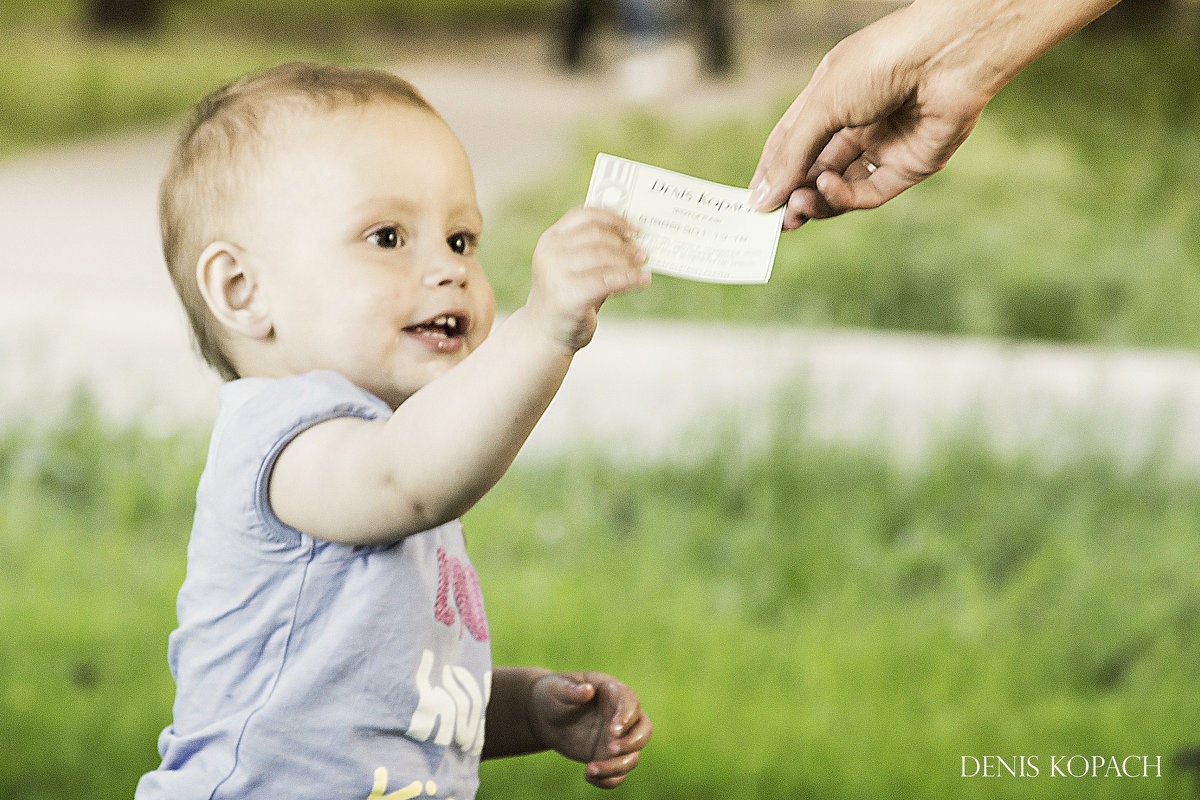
(359, 482)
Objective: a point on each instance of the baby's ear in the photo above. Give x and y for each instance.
(232, 291)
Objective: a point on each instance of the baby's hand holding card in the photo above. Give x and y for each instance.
(689, 227)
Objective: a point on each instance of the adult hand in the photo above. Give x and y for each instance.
(889, 105)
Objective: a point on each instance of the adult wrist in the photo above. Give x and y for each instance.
(972, 48)
(993, 40)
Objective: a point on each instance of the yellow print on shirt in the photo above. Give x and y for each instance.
(413, 790)
(455, 708)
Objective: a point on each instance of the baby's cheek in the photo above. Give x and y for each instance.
(487, 313)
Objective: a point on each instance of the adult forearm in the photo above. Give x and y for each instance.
(890, 104)
(989, 41)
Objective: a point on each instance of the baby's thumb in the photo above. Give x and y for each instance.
(570, 689)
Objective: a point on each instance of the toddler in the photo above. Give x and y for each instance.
(320, 226)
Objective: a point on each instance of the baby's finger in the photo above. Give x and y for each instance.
(623, 279)
(568, 690)
(588, 249)
(598, 274)
(624, 704)
(583, 220)
(610, 772)
(633, 739)
(606, 252)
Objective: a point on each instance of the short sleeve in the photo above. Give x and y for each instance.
(258, 418)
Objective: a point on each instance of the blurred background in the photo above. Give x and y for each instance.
(932, 493)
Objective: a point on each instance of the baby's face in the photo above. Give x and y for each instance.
(366, 230)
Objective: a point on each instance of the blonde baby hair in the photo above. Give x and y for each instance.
(212, 168)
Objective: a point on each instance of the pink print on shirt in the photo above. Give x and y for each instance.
(467, 596)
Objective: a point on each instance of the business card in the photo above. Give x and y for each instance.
(689, 227)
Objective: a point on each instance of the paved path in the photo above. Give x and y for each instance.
(84, 300)
(648, 390)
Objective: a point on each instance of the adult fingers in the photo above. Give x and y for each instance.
(863, 185)
(790, 150)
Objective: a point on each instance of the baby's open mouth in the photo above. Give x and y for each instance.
(444, 326)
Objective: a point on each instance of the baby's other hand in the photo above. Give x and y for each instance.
(579, 262)
(592, 718)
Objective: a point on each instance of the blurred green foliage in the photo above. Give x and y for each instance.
(73, 94)
(60, 80)
(58, 84)
(313, 16)
(808, 621)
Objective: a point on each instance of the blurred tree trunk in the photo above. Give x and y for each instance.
(130, 16)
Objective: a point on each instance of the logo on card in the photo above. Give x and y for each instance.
(612, 183)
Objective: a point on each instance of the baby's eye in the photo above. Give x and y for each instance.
(387, 236)
(463, 243)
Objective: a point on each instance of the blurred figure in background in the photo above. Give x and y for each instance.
(124, 16)
(659, 56)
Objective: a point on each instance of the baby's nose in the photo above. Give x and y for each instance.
(446, 272)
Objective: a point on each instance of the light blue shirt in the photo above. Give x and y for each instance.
(306, 669)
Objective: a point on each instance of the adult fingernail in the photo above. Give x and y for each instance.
(759, 195)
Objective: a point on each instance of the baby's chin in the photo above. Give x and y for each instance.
(397, 391)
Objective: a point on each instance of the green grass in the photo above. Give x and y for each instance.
(91, 525)
(1069, 215)
(816, 624)
(809, 622)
